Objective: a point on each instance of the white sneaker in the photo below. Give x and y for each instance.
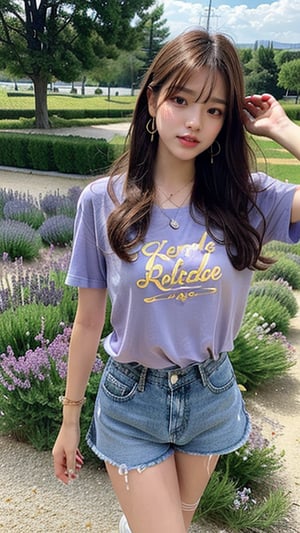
(123, 525)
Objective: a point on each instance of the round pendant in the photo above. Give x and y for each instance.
(173, 224)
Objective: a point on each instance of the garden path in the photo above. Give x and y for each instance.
(32, 500)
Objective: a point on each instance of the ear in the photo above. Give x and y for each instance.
(151, 97)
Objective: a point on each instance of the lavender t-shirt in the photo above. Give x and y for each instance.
(181, 300)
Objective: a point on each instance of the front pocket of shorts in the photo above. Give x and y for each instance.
(222, 378)
(118, 386)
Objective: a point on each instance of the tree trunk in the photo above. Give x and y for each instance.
(83, 85)
(41, 109)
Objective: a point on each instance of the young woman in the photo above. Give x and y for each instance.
(173, 237)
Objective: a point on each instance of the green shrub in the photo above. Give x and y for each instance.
(271, 310)
(280, 291)
(237, 495)
(24, 211)
(19, 327)
(57, 230)
(70, 154)
(17, 239)
(277, 246)
(292, 111)
(285, 269)
(259, 355)
(30, 386)
(40, 151)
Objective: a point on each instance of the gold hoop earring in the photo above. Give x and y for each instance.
(216, 153)
(151, 128)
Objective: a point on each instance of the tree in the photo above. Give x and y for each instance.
(289, 76)
(286, 55)
(262, 72)
(49, 39)
(129, 66)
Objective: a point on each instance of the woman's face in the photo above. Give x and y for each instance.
(189, 121)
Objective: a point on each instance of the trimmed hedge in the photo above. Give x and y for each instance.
(293, 111)
(66, 154)
(15, 114)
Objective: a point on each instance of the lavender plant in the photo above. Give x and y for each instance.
(22, 284)
(271, 309)
(18, 239)
(57, 230)
(278, 289)
(258, 354)
(238, 496)
(284, 268)
(57, 204)
(30, 386)
(24, 211)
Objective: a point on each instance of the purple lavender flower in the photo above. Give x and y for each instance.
(37, 365)
(57, 230)
(18, 239)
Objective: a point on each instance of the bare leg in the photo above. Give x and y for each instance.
(193, 472)
(151, 500)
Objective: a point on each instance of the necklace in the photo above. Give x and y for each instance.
(173, 222)
(168, 197)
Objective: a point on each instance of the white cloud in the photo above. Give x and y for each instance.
(276, 21)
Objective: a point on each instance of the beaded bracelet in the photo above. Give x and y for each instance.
(66, 401)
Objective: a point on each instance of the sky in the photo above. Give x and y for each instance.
(244, 21)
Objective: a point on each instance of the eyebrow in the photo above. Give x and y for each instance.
(214, 99)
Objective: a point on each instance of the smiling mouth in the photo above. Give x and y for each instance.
(188, 139)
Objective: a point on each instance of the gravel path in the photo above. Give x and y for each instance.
(32, 500)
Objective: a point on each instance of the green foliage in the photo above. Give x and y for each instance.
(250, 465)
(279, 291)
(259, 355)
(19, 327)
(284, 268)
(24, 211)
(77, 155)
(279, 248)
(229, 502)
(65, 46)
(40, 152)
(271, 310)
(33, 415)
(261, 73)
(18, 239)
(289, 75)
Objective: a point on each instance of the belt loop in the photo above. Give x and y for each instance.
(142, 380)
(202, 374)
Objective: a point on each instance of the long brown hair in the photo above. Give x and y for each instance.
(223, 192)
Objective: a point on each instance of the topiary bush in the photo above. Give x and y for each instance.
(18, 239)
(57, 230)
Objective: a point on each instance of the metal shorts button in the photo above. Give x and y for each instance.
(174, 379)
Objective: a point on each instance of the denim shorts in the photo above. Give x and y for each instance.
(142, 415)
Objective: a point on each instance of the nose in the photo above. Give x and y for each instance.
(194, 120)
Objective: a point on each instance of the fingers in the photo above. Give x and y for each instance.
(257, 105)
(67, 465)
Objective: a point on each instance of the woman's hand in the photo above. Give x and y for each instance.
(264, 115)
(67, 457)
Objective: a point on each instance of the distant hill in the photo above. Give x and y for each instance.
(270, 44)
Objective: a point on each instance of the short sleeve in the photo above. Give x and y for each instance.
(87, 267)
(275, 200)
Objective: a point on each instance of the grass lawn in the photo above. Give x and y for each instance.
(56, 101)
